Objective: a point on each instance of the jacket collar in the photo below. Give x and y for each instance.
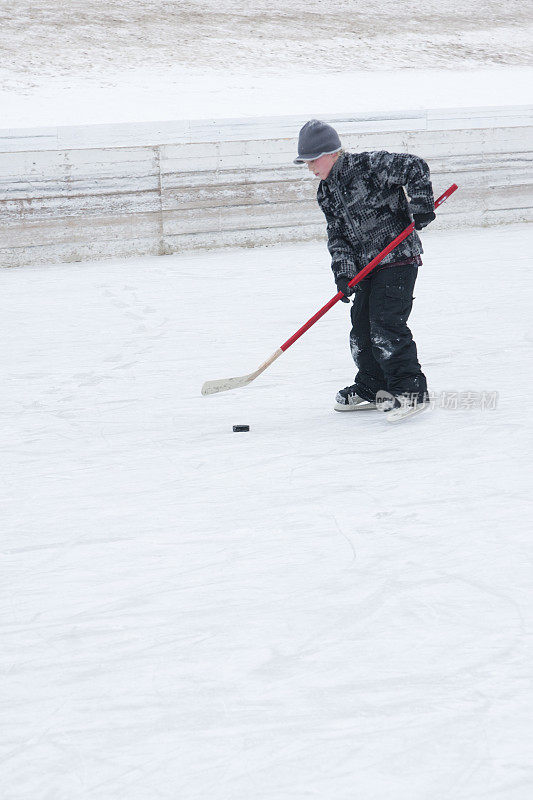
(335, 170)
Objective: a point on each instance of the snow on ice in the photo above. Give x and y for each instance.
(327, 607)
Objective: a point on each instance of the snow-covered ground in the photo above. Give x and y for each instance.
(104, 61)
(326, 607)
(91, 35)
(189, 93)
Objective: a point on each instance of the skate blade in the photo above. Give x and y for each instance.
(399, 414)
(358, 407)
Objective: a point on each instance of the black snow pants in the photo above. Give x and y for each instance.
(381, 343)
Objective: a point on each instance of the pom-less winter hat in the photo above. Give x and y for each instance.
(316, 139)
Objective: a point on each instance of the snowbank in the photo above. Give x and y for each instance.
(184, 92)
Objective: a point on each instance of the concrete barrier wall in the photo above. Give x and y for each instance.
(76, 193)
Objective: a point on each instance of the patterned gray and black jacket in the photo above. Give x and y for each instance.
(366, 207)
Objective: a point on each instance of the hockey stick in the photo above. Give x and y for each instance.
(224, 384)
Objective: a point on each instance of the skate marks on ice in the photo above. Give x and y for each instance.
(295, 662)
(325, 606)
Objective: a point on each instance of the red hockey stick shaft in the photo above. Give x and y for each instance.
(362, 274)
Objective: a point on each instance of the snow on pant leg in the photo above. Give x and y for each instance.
(370, 378)
(390, 303)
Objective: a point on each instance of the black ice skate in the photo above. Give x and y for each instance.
(348, 400)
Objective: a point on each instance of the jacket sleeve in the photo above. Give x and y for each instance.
(342, 255)
(404, 169)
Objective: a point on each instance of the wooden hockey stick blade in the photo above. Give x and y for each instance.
(225, 384)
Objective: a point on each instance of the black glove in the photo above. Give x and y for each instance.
(421, 220)
(342, 285)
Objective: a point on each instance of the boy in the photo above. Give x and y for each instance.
(363, 198)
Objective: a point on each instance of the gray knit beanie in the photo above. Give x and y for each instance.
(316, 139)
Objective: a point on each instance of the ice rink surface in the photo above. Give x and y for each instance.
(325, 607)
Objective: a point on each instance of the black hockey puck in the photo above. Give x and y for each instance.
(239, 428)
